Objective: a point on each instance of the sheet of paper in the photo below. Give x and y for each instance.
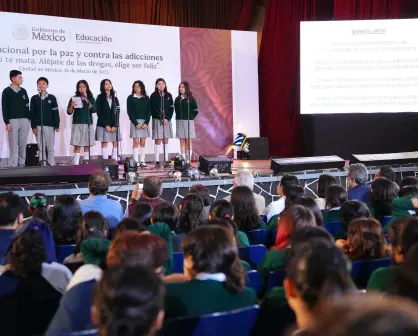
(78, 102)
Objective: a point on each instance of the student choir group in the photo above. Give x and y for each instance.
(41, 114)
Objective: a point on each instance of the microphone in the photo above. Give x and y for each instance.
(39, 92)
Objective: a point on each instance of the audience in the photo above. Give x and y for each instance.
(335, 197)
(357, 177)
(129, 300)
(11, 216)
(142, 212)
(39, 208)
(216, 277)
(204, 193)
(324, 181)
(166, 213)
(99, 183)
(129, 224)
(244, 178)
(277, 207)
(409, 180)
(408, 190)
(93, 225)
(245, 210)
(382, 193)
(386, 172)
(151, 193)
(293, 192)
(311, 204)
(349, 211)
(65, 220)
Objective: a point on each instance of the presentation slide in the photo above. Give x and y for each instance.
(66, 50)
(358, 66)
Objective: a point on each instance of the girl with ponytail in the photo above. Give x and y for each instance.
(216, 279)
(39, 207)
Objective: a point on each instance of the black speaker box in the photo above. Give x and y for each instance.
(108, 165)
(32, 155)
(221, 163)
(259, 150)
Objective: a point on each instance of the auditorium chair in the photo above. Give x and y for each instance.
(253, 254)
(362, 270)
(253, 281)
(385, 220)
(333, 227)
(257, 237)
(178, 258)
(238, 322)
(63, 251)
(275, 279)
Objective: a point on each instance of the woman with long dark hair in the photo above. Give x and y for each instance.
(245, 209)
(382, 192)
(186, 111)
(82, 120)
(39, 207)
(335, 197)
(139, 113)
(65, 220)
(162, 108)
(107, 106)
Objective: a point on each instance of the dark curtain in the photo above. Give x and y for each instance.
(221, 14)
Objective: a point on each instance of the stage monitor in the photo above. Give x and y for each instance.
(287, 165)
(388, 159)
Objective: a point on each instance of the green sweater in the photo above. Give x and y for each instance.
(199, 297)
(163, 230)
(138, 108)
(82, 115)
(273, 260)
(243, 239)
(381, 279)
(332, 216)
(401, 206)
(14, 104)
(47, 108)
(183, 111)
(155, 104)
(106, 114)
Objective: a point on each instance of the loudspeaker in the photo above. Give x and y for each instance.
(258, 150)
(46, 175)
(221, 163)
(32, 155)
(108, 165)
(286, 165)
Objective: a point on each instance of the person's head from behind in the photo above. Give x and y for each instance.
(398, 248)
(292, 193)
(409, 234)
(316, 270)
(285, 181)
(310, 203)
(335, 196)
(39, 207)
(324, 181)
(221, 209)
(202, 191)
(153, 187)
(365, 240)
(190, 211)
(244, 178)
(292, 220)
(27, 254)
(166, 213)
(99, 183)
(371, 315)
(129, 300)
(245, 208)
(142, 213)
(129, 224)
(11, 211)
(212, 249)
(66, 218)
(356, 175)
(409, 180)
(351, 210)
(382, 193)
(408, 190)
(16, 77)
(93, 225)
(386, 172)
(135, 248)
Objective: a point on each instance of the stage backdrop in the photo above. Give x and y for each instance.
(220, 65)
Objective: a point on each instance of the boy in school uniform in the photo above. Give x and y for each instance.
(16, 115)
(44, 110)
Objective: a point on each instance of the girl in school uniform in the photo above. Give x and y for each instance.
(107, 119)
(161, 124)
(186, 111)
(82, 118)
(139, 113)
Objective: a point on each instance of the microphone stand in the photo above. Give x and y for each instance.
(188, 130)
(117, 116)
(88, 120)
(43, 161)
(166, 163)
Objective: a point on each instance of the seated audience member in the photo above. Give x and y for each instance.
(223, 210)
(216, 277)
(349, 211)
(357, 177)
(399, 246)
(293, 219)
(93, 225)
(324, 181)
(311, 204)
(204, 193)
(403, 206)
(151, 193)
(382, 193)
(386, 172)
(166, 213)
(371, 315)
(335, 197)
(28, 278)
(245, 210)
(99, 183)
(39, 208)
(128, 248)
(277, 207)
(11, 216)
(365, 240)
(409, 180)
(244, 178)
(293, 192)
(129, 224)
(408, 190)
(65, 220)
(142, 212)
(190, 212)
(129, 299)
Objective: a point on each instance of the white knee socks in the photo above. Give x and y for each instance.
(136, 154)
(115, 154)
(86, 156)
(142, 154)
(189, 155)
(166, 154)
(77, 158)
(157, 152)
(105, 153)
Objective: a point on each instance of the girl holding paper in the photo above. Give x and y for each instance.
(139, 113)
(81, 106)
